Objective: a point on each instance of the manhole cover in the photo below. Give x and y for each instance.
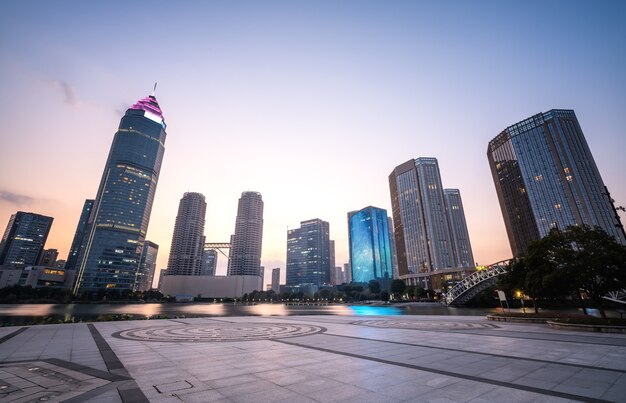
(424, 325)
(218, 332)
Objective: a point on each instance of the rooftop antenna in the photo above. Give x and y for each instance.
(154, 89)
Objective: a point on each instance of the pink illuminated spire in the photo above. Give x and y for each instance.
(149, 104)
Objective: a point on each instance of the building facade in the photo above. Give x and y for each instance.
(187, 250)
(423, 223)
(48, 258)
(458, 228)
(370, 246)
(245, 249)
(308, 254)
(276, 280)
(72, 256)
(546, 177)
(24, 238)
(116, 230)
(147, 266)
(209, 262)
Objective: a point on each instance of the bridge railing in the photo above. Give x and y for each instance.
(476, 279)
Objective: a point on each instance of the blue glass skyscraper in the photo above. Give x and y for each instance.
(370, 246)
(114, 240)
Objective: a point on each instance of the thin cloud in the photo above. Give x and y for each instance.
(15, 198)
(67, 91)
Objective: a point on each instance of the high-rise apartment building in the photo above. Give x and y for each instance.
(72, 257)
(187, 250)
(209, 262)
(117, 226)
(24, 238)
(347, 273)
(370, 246)
(546, 177)
(276, 280)
(338, 278)
(147, 266)
(308, 254)
(246, 243)
(458, 228)
(425, 242)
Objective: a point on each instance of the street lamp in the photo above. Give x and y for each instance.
(520, 295)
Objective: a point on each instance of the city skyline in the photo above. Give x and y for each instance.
(310, 104)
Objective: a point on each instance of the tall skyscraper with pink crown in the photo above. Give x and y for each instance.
(117, 226)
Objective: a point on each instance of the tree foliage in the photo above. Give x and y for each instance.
(397, 288)
(564, 263)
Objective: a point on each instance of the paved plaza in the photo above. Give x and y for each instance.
(310, 359)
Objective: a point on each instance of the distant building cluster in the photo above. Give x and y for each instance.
(543, 170)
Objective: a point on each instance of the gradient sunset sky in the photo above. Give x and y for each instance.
(310, 103)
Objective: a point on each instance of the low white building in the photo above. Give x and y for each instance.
(210, 286)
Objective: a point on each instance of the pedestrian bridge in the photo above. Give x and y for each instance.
(475, 283)
(480, 280)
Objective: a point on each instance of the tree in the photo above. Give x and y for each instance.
(565, 262)
(374, 287)
(384, 295)
(397, 288)
(596, 263)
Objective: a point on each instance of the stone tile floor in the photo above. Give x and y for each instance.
(310, 359)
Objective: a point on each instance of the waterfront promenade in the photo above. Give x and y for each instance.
(310, 358)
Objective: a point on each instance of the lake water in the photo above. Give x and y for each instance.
(24, 314)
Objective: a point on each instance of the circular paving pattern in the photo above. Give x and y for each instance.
(211, 332)
(424, 325)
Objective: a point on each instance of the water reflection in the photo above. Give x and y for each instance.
(21, 314)
(374, 310)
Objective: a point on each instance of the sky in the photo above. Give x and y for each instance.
(310, 103)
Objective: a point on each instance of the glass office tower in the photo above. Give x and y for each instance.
(458, 228)
(370, 246)
(430, 229)
(546, 177)
(147, 266)
(72, 257)
(24, 238)
(117, 226)
(308, 254)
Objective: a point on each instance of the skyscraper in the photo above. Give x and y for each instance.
(370, 247)
(147, 266)
(423, 233)
(546, 177)
(308, 254)
(48, 257)
(24, 238)
(458, 228)
(245, 248)
(117, 226)
(392, 240)
(276, 280)
(72, 257)
(186, 253)
(209, 262)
